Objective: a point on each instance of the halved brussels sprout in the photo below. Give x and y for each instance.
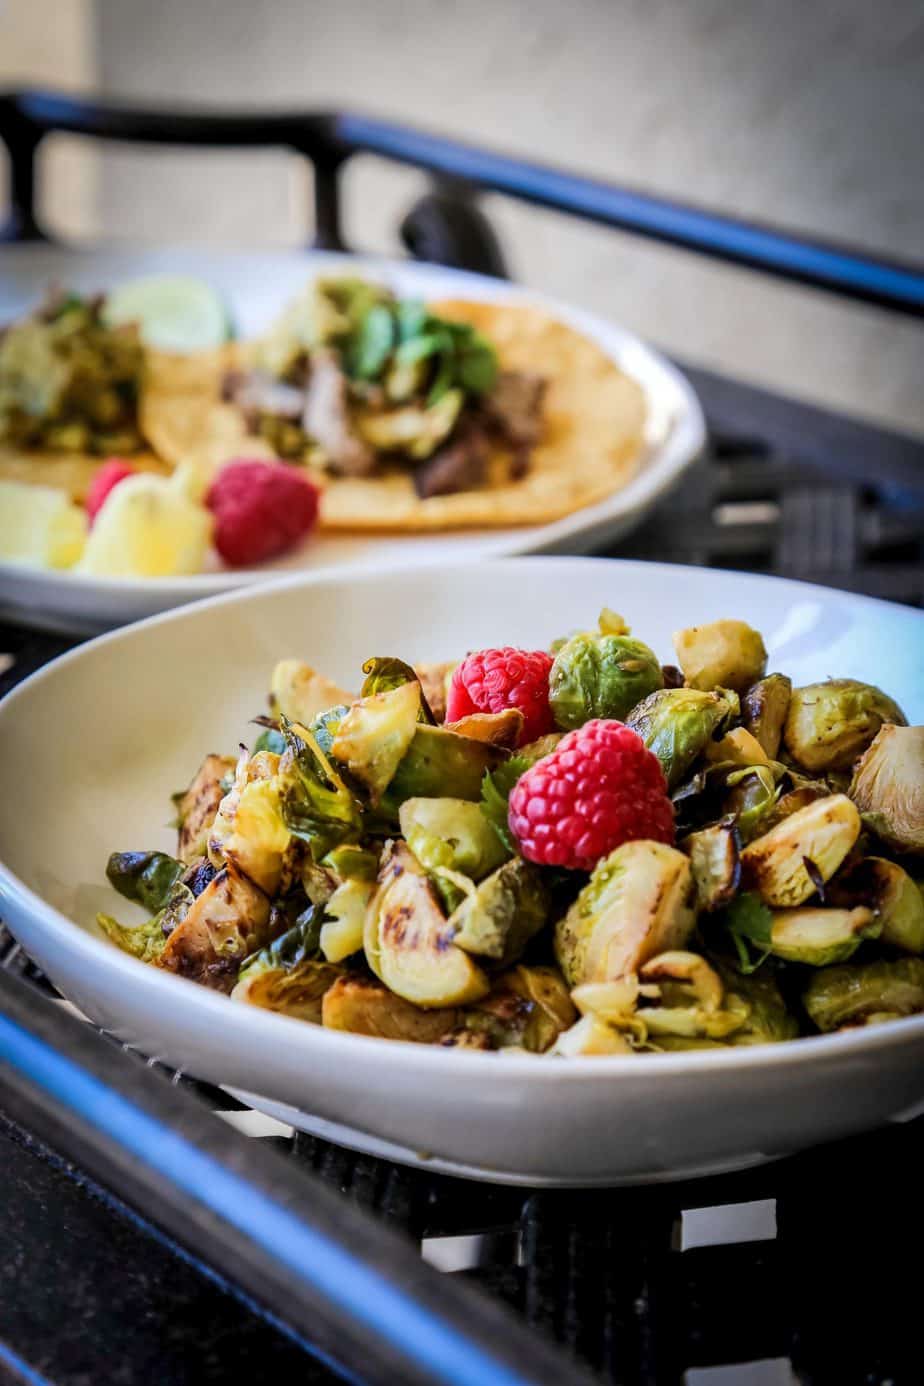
(722, 654)
(820, 936)
(859, 992)
(500, 917)
(600, 676)
(343, 928)
(224, 925)
(677, 724)
(408, 940)
(823, 832)
(764, 708)
(590, 1036)
(439, 764)
(638, 902)
(893, 896)
(197, 807)
(500, 728)
(714, 859)
(249, 831)
(375, 734)
(365, 1007)
(287, 976)
(451, 833)
(527, 1007)
(830, 724)
(300, 694)
(147, 877)
(888, 788)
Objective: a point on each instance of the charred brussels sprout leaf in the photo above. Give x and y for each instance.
(829, 725)
(678, 723)
(888, 788)
(324, 727)
(527, 1007)
(147, 941)
(288, 975)
(270, 739)
(600, 676)
(350, 862)
(384, 673)
(713, 854)
(857, 994)
(819, 937)
(894, 897)
(147, 877)
(752, 794)
(316, 805)
(758, 998)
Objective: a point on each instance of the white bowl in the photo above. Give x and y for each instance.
(94, 744)
(257, 286)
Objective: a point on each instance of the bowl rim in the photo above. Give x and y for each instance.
(265, 1026)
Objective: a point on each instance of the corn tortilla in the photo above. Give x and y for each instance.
(592, 445)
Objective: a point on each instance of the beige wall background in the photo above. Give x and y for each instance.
(805, 114)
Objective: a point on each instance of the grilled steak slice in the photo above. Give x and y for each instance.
(460, 465)
(514, 407)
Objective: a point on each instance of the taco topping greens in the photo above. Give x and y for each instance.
(352, 379)
(577, 850)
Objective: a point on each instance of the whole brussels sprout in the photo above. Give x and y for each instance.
(830, 724)
(722, 654)
(678, 723)
(888, 787)
(857, 993)
(600, 676)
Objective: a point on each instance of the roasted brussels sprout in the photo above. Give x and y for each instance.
(500, 916)
(638, 902)
(590, 1036)
(527, 1007)
(384, 674)
(198, 805)
(737, 747)
(343, 927)
(375, 734)
(249, 829)
(439, 764)
(300, 694)
(750, 798)
(147, 877)
(408, 940)
(722, 654)
(600, 676)
(451, 833)
(678, 724)
(434, 680)
(349, 862)
(888, 788)
(830, 724)
(820, 937)
(823, 833)
(764, 708)
(366, 1007)
(224, 925)
(287, 976)
(896, 900)
(690, 998)
(714, 860)
(862, 992)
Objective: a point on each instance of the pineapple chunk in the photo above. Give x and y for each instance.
(150, 526)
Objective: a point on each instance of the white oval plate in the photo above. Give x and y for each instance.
(94, 744)
(257, 286)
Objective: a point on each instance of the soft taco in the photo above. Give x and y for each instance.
(71, 394)
(415, 417)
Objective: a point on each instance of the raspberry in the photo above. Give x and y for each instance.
(493, 680)
(601, 786)
(261, 509)
(109, 475)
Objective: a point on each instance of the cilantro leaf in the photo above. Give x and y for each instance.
(749, 922)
